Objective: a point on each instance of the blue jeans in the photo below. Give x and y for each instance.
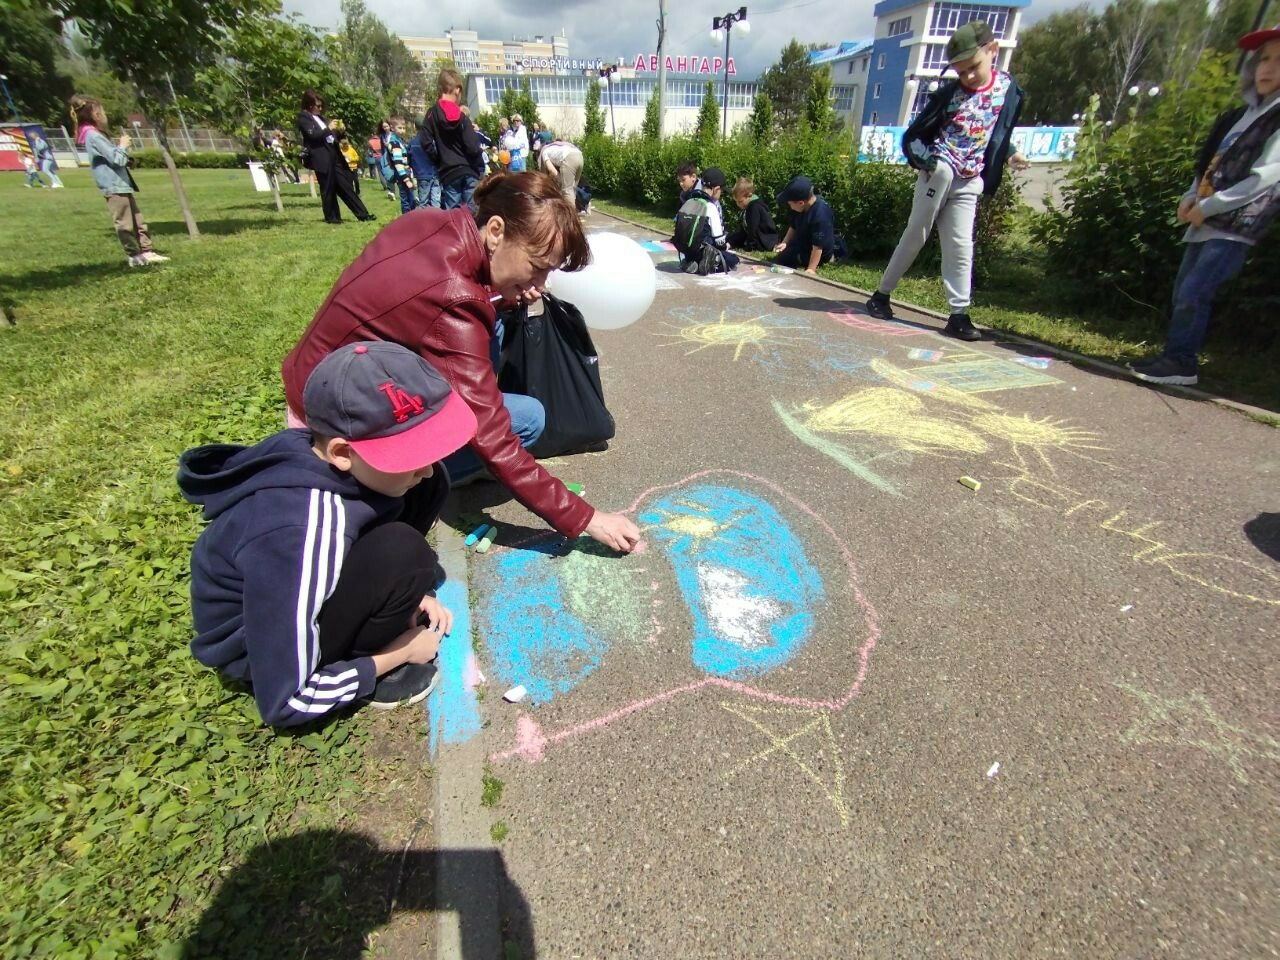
(1205, 267)
(428, 192)
(528, 418)
(407, 199)
(457, 193)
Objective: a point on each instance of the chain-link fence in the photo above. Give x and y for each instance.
(196, 140)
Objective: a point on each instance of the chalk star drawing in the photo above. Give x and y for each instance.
(752, 284)
(1192, 722)
(785, 745)
(755, 332)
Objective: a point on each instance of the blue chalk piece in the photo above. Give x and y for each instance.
(477, 534)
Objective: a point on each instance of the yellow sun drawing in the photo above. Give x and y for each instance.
(728, 333)
(697, 525)
(897, 416)
(1038, 436)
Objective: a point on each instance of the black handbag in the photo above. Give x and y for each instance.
(551, 358)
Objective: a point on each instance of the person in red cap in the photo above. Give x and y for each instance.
(313, 584)
(449, 139)
(1232, 202)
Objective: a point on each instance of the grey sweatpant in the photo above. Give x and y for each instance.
(952, 204)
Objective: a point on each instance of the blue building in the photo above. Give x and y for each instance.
(892, 74)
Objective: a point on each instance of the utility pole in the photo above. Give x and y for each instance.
(662, 66)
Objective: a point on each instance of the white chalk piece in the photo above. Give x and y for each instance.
(995, 768)
(515, 694)
(1126, 608)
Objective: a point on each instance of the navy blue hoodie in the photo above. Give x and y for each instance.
(281, 522)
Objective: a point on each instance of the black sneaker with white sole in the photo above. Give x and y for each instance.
(1165, 370)
(407, 683)
(879, 306)
(961, 327)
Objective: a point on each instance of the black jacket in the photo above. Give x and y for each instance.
(933, 119)
(758, 231)
(452, 145)
(321, 145)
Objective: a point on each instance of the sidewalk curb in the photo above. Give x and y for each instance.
(1261, 414)
(467, 887)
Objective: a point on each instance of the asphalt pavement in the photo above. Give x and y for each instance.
(935, 650)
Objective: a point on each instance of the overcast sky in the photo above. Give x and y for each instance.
(613, 30)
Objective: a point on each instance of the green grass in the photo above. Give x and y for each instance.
(134, 780)
(1021, 294)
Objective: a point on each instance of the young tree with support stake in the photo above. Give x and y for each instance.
(172, 37)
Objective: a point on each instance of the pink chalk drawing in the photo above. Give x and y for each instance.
(889, 328)
(532, 742)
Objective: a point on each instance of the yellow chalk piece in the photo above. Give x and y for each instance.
(971, 483)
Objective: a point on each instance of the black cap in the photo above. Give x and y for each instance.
(713, 177)
(800, 188)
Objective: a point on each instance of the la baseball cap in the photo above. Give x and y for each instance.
(1252, 41)
(396, 409)
(712, 177)
(968, 39)
(800, 188)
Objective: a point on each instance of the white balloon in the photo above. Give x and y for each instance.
(615, 288)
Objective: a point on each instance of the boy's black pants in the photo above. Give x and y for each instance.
(384, 578)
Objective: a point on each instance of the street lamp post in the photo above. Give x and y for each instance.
(606, 80)
(725, 24)
(4, 82)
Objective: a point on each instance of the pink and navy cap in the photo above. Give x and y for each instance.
(397, 411)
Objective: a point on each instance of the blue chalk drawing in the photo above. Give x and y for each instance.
(455, 713)
(743, 575)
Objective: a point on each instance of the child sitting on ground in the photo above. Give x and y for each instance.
(313, 583)
(758, 231)
(811, 237)
(699, 233)
(1233, 200)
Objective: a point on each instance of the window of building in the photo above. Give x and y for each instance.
(875, 118)
(864, 64)
(935, 57)
(880, 61)
(949, 17)
(922, 94)
(842, 98)
(875, 92)
(898, 27)
(851, 66)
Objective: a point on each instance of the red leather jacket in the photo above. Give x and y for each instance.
(423, 282)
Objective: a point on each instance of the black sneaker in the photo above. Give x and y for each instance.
(1165, 370)
(879, 306)
(711, 261)
(407, 683)
(961, 327)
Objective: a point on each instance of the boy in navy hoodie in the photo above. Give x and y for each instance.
(313, 583)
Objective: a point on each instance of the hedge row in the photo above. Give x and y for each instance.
(152, 159)
(871, 200)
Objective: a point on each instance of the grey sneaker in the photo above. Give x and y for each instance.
(138, 260)
(407, 683)
(961, 327)
(150, 256)
(879, 306)
(1165, 370)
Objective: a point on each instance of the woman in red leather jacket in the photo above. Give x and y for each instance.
(431, 281)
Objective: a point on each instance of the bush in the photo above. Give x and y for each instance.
(152, 159)
(1117, 233)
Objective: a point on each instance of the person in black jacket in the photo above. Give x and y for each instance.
(959, 144)
(449, 138)
(758, 231)
(321, 156)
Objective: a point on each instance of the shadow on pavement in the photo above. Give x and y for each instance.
(1263, 532)
(320, 893)
(857, 305)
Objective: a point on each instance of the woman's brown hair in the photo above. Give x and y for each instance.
(310, 100)
(536, 215)
(87, 111)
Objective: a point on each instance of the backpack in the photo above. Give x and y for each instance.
(692, 238)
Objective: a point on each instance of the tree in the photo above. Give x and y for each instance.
(819, 115)
(369, 57)
(175, 38)
(526, 106)
(651, 128)
(787, 84)
(594, 125)
(708, 114)
(1058, 61)
(760, 123)
(29, 44)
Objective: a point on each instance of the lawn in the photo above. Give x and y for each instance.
(134, 780)
(1022, 294)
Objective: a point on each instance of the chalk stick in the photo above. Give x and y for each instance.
(476, 534)
(515, 694)
(971, 483)
(575, 488)
(995, 768)
(486, 541)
